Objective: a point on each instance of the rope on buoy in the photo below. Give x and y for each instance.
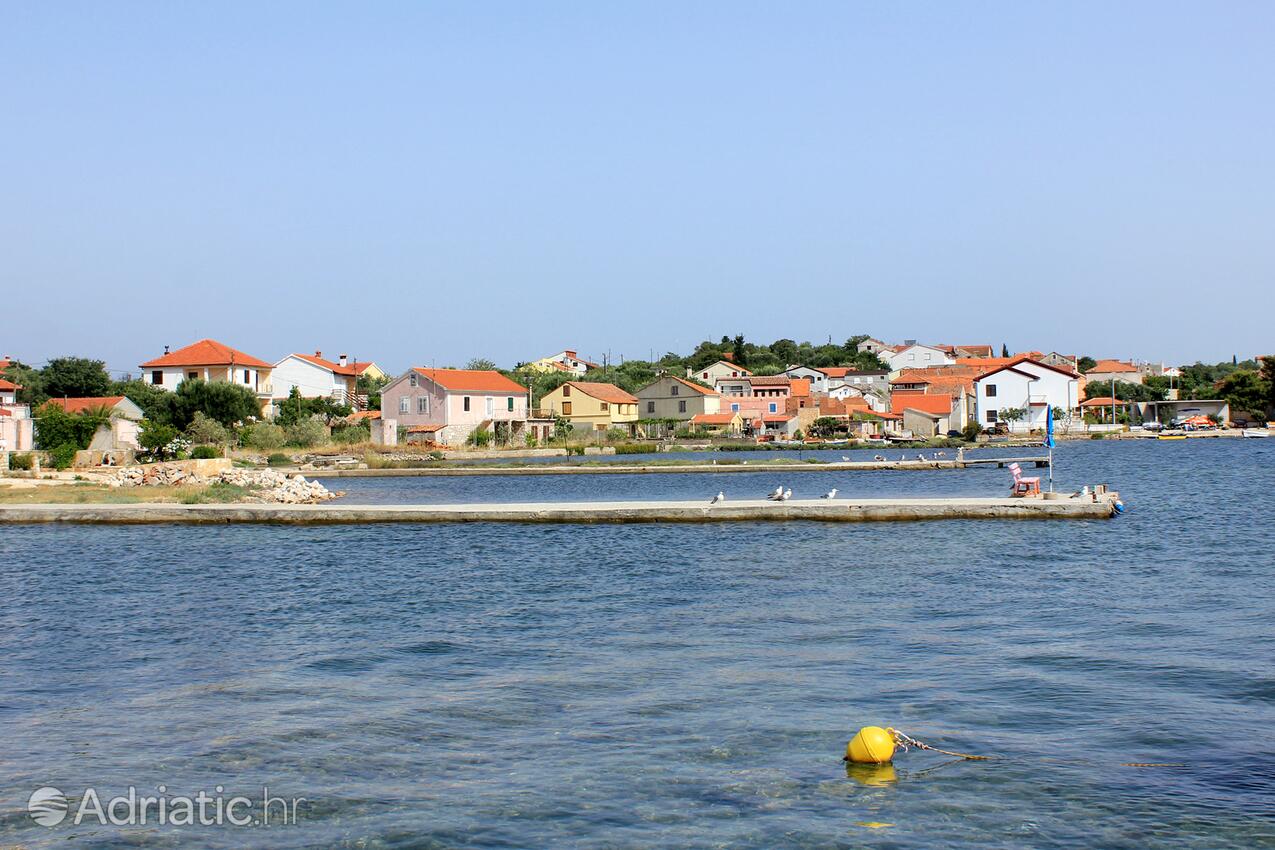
(906, 742)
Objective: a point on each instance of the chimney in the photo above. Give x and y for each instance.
(341, 362)
(318, 354)
(728, 356)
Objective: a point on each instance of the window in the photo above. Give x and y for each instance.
(246, 379)
(674, 390)
(912, 357)
(774, 408)
(991, 416)
(491, 406)
(193, 375)
(157, 377)
(650, 407)
(566, 408)
(511, 404)
(990, 392)
(734, 374)
(605, 407)
(566, 391)
(402, 404)
(422, 404)
(706, 376)
(466, 404)
(681, 406)
(411, 379)
(734, 408)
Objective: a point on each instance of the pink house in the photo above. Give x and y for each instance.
(445, 406)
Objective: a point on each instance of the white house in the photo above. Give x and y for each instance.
(8, 392)
(1026, 385)
(915, 356)
(209, 360)
(714, 372)
(316, 377)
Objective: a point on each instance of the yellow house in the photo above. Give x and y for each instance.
(592, 406)
(564, 361)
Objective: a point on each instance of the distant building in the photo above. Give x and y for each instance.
(316, 377)
(120, 433)
(8, 392)
(1114, 370)
(592, 405)
(915, 356)
(724, 423)
(566, 360)
(670, 397)
(872, 345)
(1027, 385)
(446, 406)
(209, 360)
(713, 372)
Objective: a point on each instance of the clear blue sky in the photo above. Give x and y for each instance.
(417, 182)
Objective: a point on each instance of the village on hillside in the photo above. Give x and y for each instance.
(206, 397)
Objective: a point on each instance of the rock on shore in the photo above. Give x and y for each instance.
(264, 485)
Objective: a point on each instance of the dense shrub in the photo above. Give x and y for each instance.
(20, 461)
(63, 456)
(264, 436)
(633, 449)
(224, 402)
(480, 438)
(158, 439)
(279, 459)
(352, 434)
(204, 429)
(307, 433)
(204, 452)
(55, 427)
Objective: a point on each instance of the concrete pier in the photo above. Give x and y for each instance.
(656, 469)
(821, 510)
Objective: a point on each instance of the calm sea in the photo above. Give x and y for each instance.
(667, 685)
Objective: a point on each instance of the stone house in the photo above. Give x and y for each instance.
(670, 397)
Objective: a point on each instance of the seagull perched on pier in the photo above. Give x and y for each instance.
(938, 455)
(786, 495)
(720, 497)
(903, 457)
(831, 494)
(777, 495)
(879, 457)
(921, 458)
(846, 459)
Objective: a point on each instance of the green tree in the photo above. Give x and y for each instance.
(229, 404)
(156, 402)
(75, 377)
(1245, 392)
(30, 380)
(1012, 414)
(1004, 350)
(205, 429)
(481, 364)
(1084, 364)
(1125, 391)
(55, 427)
(1268, 377)
(156, 437)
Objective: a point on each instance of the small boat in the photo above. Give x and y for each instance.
(1171, 437)
(1255, 432)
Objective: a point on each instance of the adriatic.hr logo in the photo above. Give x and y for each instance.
(47, 806)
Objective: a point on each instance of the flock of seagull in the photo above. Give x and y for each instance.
(782, 494)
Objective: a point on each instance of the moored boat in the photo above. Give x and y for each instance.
(1255, 432)
(1171, 437)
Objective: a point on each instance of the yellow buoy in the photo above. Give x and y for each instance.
(873, 745)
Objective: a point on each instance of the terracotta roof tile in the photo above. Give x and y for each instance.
(699, 389)
(604, 392)
(473, 380)
(1113, 366)
(79, 405)
(351, 370)
(206, 352)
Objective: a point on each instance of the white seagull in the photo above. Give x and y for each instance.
(831, 494)
(777, 495)
(787, 494)
(878, 457)
(720, 497)
(846, 459)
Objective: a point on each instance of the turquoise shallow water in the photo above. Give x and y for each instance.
(690, 686)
